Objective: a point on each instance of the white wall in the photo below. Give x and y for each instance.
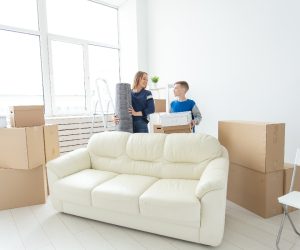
(241, 58)
(142, 34)
(133, 38)
(128, 40)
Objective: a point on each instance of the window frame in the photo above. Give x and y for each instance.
(87, 83)
(45, 39)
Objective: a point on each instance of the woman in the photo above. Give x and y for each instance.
(142, 103)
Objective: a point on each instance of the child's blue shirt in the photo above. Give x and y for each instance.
(177, 106)
(187, 105)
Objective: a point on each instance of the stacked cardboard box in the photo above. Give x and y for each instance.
(51, 141)
(172, 129)
(288, 172)
(256, 175)
(171, 123)
(160, 105)
(20, 188)
(27, 116)
(24, 151)
(287, 178)
(176, 119)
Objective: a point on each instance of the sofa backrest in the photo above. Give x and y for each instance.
(182, 156)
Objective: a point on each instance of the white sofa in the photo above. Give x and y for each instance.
(173, 185)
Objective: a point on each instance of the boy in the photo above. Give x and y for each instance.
(183, 104)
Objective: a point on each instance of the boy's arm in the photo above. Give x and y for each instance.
(170, 108)
(197, 115)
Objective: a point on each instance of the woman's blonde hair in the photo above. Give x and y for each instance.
(138, 76)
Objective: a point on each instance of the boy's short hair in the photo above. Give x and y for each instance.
(183, 84)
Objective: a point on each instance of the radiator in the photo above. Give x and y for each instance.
(74, 132)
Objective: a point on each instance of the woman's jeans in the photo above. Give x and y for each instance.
(140, 126)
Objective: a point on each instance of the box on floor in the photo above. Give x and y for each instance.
(288, 172)
(255, 191)
(20, 188)
(27, 116)
(255, 145)
(51, 142)
(22, 148)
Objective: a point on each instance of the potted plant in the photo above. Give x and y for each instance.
(154, 80)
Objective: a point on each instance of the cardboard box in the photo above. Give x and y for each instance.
(287, 178)
(177, 129)
(157, 128)
(20, 188)
(259, 146)
(160, 105)
(172, 129)
(255, 191)
(288, 172)
(22, 148)
(51, 142)
(176, 119)
(27, 116)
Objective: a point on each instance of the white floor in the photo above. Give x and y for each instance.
(41, 227)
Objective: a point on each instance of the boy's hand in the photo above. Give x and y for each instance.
(193, 123)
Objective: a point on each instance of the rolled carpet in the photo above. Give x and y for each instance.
(123, 102)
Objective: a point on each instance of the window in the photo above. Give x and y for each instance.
(19, 13)
(84, 40)
(52, 51)
(68, 78)
(84, 20)
(103, 64)
(20, 62)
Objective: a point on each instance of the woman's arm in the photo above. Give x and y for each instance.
(150, 108)
(135, 113)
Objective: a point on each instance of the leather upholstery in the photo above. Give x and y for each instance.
(173, 185)
(122, 193)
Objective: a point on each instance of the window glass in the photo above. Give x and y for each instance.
(103, 64)
(20, 64)
(19, 13)
(68, 77)
(83, 19)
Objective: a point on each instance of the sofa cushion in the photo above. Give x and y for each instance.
(122, 193)
(77, 187)
(191, 148)
(142, 147)
(172, 199)
(108, 144)
(178, 156)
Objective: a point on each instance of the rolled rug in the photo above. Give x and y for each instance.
(123, 102)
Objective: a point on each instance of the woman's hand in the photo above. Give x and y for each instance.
(134, 113)
(116, 119)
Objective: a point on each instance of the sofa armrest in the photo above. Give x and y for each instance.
(214, 177)
(69, 163)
